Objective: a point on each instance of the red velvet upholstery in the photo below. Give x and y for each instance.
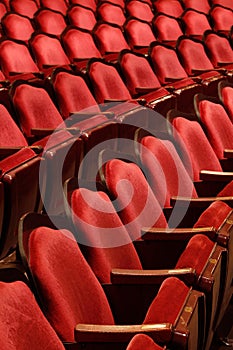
(202, 5)
(79, 44)
(142, 341)
(227, 98)
(222, 18)
(96, 219)
(35, 109)
(73, 94)
(172, 8)
(111, 13)
(49, 21)
(107, 83)
(88, 3)
(220, 50)
(58, 5)
(3, 10)
(138, 73)
(139, 10)
(192, 139)
(139, 33)
(17, 27)
(16, 57)
(217, 214)
(26, 8)
(167, 28)
(110, 38)
(226, 3)
(48, 51)
(195, 23)
(165, 171)
(23, 326)
(82, 17)
(218, 126)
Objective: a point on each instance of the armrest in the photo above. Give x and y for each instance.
(228, 153)
(123, 276)
(46, 132)
(92, 114)
(199, 202)
(8, 151)
(208, 175)
(161, 332)
(177, 234)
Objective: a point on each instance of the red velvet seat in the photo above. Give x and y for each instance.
(81, 303)
(222, 18)
(26, 327)
(111, 13)
(50, 21)
(17, 27)
(139, 9)
(167, 28)
(57, 5)
(195, 23)
(172, 8)
(81, 17)
(139, 33)
(140, 341)
(200, 5)
(225, 93)
(25, 8)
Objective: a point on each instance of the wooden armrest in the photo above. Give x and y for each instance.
(161, 332)
(228, 153)
(208, 175)
(123, 276)
(164, 234)
(199, 202)
(8, 151)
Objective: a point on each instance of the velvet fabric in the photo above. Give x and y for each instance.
(35, 109)
(11, 162)
(108, 244)
(111, 13)
(196, 253)
(218, 126)
(79, 44)
(17, 27)
(214, 215)
(16, 57)
(220, 50)
(67, 285)
(222, 18)
(202, 6)
(135, 201)
(226, 3)
(195, 23)
(196, 147)
(172, 8)
(88, 3)
(139, 10)
(23, 326)
(107, 83)
(25, 8)
(142, 341)
(48, 51)
(165, 171)
(227, 98)
(110, 39)
(82, 17)
(172, 293)
(58, 5)
(139, 33)
(3, 10)
(73, 94)
(167, 28)
(138, 73)
(50, 22)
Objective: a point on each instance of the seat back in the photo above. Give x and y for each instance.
(25, 8)
(202, 6)
(172, 8)
(91, 4)
(196, 23)
(139, 33)
(50, 21)
(17, 27)
(225, 3)
(167, 28)
(82, 17)
(58, 5)
(111, 13)
(139, 9)
(219, 49)
(225, 92)
(3, 10)
(222, 18)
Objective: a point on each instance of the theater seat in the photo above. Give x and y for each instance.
(139, 33)
(17, 27)
(111, 13)
(139, 9)
(25, 8)
(167, 28)
(50, 21)
(195, 23)
(81, 17)
(225, 94)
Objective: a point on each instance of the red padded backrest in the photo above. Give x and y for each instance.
(35, 108)
(82, 17)
(201, 5)
(26, 7)
(219, 49)
(17, 27)
(107, 83)
(67, 286)
(15, 57)
(50, 22)
(108, 244)
(166, 64)
(138, 73)
(194, 56)
(165, 171)
(222, 18)
(197, 146)
(10, 135)
(227, 98)
(73, 94)
(23, 326)
(3, 10)
(216, 214)
(139, 33)
(79, 44)
(88, 3)
(218, 126)
(142, 341)
(226, 3)
(171, 7)
(49, 51)
(57, 5)
(195, 23)
(112, 14)
(110, 39)
(167, 28)
(140, 10)
(135, 200)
